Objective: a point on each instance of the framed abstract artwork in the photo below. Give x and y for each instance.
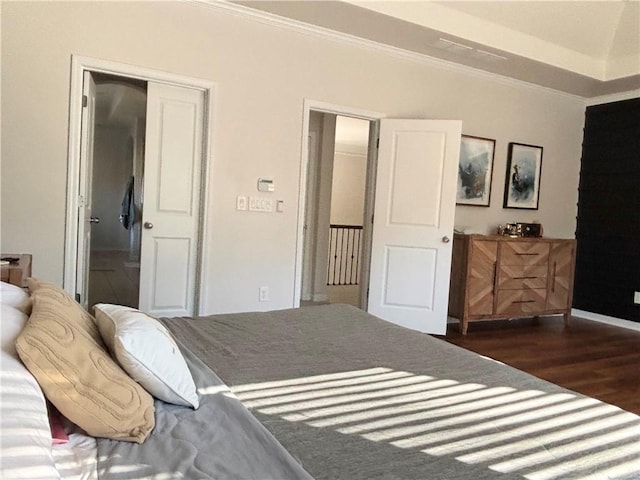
(522, 182)
(475, 169)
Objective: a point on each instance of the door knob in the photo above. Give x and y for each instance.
(148, 225)
(446, 239)
(94, 220)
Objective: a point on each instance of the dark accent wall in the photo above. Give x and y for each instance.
(608, 223)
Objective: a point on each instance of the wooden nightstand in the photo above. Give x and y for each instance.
(17, 273)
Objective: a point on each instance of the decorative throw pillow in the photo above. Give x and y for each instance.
(62, 348)
(33, 284)
(15, 297)
(147, 352)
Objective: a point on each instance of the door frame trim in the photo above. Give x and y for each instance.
(80, 64)
(308, 106)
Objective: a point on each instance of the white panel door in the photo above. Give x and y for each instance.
(171, 190)
(413, 222)
(84, 205)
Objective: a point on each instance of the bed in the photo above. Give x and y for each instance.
(331, 392)
(356, 397)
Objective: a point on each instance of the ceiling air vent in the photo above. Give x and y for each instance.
(466, 50)
(488, 56)
(451, 46)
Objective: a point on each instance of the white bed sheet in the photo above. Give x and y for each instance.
(26, 450)
(77, 459)
(25, 435)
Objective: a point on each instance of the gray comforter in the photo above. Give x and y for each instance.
(354, 397)
(219, 440)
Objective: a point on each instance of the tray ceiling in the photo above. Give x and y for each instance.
(586, 48)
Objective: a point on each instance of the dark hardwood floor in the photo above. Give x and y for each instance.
(595, 359)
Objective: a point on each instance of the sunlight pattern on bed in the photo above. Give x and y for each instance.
(532, 433)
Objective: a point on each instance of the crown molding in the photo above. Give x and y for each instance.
(615, 97)
(327, 34)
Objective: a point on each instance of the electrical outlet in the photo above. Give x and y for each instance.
(636, 297)
(241, 202)
(263, 294)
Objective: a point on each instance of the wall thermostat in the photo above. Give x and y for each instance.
(266, 185)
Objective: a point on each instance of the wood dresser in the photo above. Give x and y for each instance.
(498, 277)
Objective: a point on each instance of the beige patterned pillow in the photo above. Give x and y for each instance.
(62, 348)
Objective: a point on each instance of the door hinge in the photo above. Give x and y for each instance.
(371, 219)
(80, 201)
(378, 143)
(85, 101)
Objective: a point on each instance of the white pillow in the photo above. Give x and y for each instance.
(15, 297)
(25, 434)
(146, 351)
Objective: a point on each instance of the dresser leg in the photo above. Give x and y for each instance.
(464, 324)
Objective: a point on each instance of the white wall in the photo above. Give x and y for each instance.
(112, 168)
(263, 74)
(347, 191)
(324, 184)
(349, 171)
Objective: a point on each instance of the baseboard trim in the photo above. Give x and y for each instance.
(596, 317)
(320, 297)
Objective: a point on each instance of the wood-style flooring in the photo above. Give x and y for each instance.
(113, 279)
(595, 359)
(348, 294)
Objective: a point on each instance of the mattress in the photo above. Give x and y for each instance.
(353, 397)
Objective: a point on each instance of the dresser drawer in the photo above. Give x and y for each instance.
(524, 253)
(515, 277)
(518, 302)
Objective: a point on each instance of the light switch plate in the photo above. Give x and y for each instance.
(263, 294)
(636, 297)
(241, 202)
(260, 204)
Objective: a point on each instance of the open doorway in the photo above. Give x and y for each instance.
(175, 148)
(336, 193)
(116, 193)
(410, 184)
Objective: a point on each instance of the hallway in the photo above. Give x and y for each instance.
(112, 279)
(348, 294)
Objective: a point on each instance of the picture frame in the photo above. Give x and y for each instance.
(522, 182)
(475, 171)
